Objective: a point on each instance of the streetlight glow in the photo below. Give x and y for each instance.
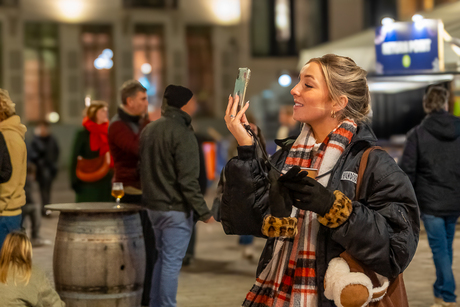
(71, 9)
(417, 17)
(146, 68)
(104, 60)
(53, 117)
(387, 21)
(284, 80)
(87, 100)
(227, 11)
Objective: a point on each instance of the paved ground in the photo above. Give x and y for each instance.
(221, 277)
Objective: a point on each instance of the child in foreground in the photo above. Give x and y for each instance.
(22, 284)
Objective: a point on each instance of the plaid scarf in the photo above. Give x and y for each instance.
(290, 277)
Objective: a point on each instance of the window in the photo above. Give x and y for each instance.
(272, 28)
(150, 4)
(200, 67)
(149, 61)
(97, 51)
(10, 3)
(41, 70)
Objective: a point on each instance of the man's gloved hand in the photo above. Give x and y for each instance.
(279, 199)
(306, 192)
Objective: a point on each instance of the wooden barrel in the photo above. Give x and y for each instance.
(99, 257)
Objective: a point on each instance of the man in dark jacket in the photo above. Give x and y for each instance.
(124, 132)
(170, 168)
(44, 153)
(431, 160)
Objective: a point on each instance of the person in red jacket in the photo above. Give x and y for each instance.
(124, 131)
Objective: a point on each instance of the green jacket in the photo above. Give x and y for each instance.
(170, 165)
(38, 292)
(98, 191)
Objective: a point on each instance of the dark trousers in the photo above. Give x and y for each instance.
(45, 192)
(151, 253)
(32, 211)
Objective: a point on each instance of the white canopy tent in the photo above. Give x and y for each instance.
(360, 47)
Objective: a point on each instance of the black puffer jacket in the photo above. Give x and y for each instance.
(431, 159)
(382, 231)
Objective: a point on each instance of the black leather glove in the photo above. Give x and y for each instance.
(279, 198)
(306, 192)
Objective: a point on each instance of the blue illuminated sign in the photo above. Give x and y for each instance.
(403, 47)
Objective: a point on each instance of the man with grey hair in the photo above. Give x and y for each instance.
(431, 160)
(124, 132)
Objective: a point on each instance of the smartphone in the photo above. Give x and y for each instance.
(241, 84)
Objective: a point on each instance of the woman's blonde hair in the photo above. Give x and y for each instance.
(16, 258)
(7, 107)
(95, 106)
(344, 77)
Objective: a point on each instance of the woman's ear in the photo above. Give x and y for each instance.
(340, 104)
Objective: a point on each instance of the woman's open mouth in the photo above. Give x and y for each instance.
(297, 104)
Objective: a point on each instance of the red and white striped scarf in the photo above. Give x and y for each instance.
(289, 280)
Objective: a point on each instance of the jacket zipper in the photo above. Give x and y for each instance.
(400, 212)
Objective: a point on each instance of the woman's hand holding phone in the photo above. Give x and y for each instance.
(235, 121)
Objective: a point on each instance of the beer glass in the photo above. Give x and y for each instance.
(117, 191)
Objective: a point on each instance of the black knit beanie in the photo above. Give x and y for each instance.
(177, 96)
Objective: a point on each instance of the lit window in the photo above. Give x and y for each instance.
(148, 61)
(282, 20)
(272, 31)
(98, 83)
(41, 70)
(200, 68)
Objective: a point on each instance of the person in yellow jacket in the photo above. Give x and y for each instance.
(12, 194)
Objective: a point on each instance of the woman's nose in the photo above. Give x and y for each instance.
(294, 90)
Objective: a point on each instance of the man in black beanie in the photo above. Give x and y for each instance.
(170, 165)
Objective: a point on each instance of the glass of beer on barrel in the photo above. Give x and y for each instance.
(117, 191)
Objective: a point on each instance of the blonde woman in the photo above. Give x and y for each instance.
(380, 228)
(12, 194)
(22, 284)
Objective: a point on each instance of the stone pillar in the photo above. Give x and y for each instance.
(123, 53)
(13, 60)
(71, 92)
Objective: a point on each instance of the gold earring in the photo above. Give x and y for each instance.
(333, 115)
